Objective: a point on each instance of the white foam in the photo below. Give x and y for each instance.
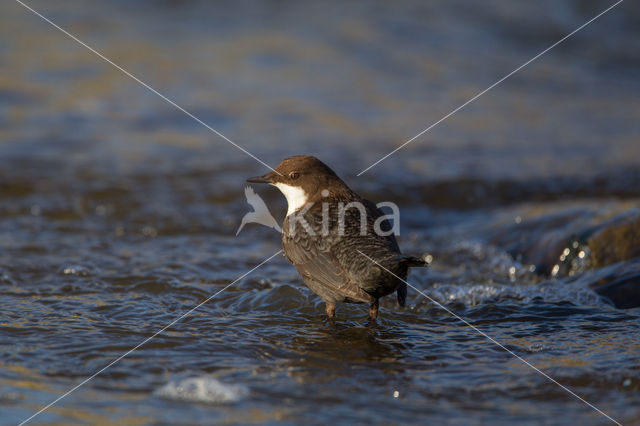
(548, 291)
(202, 389)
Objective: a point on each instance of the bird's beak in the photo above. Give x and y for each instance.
(268, 178)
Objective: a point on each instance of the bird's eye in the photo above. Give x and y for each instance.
(294, 175)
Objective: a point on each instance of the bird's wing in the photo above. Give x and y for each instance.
(319, 266)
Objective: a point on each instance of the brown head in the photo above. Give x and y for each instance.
(304, 178)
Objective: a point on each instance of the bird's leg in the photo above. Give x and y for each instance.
(373, 310)
(331, 310)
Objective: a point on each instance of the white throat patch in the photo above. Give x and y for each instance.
(296, 197)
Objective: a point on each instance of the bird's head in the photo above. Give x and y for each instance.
(301, 179)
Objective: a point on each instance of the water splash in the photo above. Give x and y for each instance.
(202, 389)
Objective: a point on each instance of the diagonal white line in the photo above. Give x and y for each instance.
(148, 338)
(494, 341)
(492, 86)
(144, 84)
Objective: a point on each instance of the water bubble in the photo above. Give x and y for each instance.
(149, 231)
(77, 270)
(555, 270)
(325, 192)
(396, 394)
(518, 219)
(428, 258)
(626, 382)
(5, 279)
(202, 389)
(537, 347)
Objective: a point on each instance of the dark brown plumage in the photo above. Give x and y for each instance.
(326, 254)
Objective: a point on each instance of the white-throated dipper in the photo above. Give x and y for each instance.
(327, 230)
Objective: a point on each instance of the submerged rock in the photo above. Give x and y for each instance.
(615, 244)
(623, 292)
(598, 247)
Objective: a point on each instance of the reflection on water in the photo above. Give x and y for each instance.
(118, 212)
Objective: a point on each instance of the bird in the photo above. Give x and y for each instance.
(260, 213)
(339, 242)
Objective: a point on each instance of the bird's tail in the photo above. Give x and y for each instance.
(402, 294)
(413, 261)
(409, 262)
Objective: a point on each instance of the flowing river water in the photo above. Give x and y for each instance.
(118, 212)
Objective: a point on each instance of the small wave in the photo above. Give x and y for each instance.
(548, 291)
(202, 389)
(78, 270)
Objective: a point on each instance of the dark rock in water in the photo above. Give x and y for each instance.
(578, 243)
(623, 292)
(620, 283)
(615, 244)
(551, 240)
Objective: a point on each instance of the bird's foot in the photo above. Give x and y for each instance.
(330, 321)
(373, 310)
(331, 310)
(331, 314)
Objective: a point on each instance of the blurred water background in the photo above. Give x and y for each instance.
(118, 212)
